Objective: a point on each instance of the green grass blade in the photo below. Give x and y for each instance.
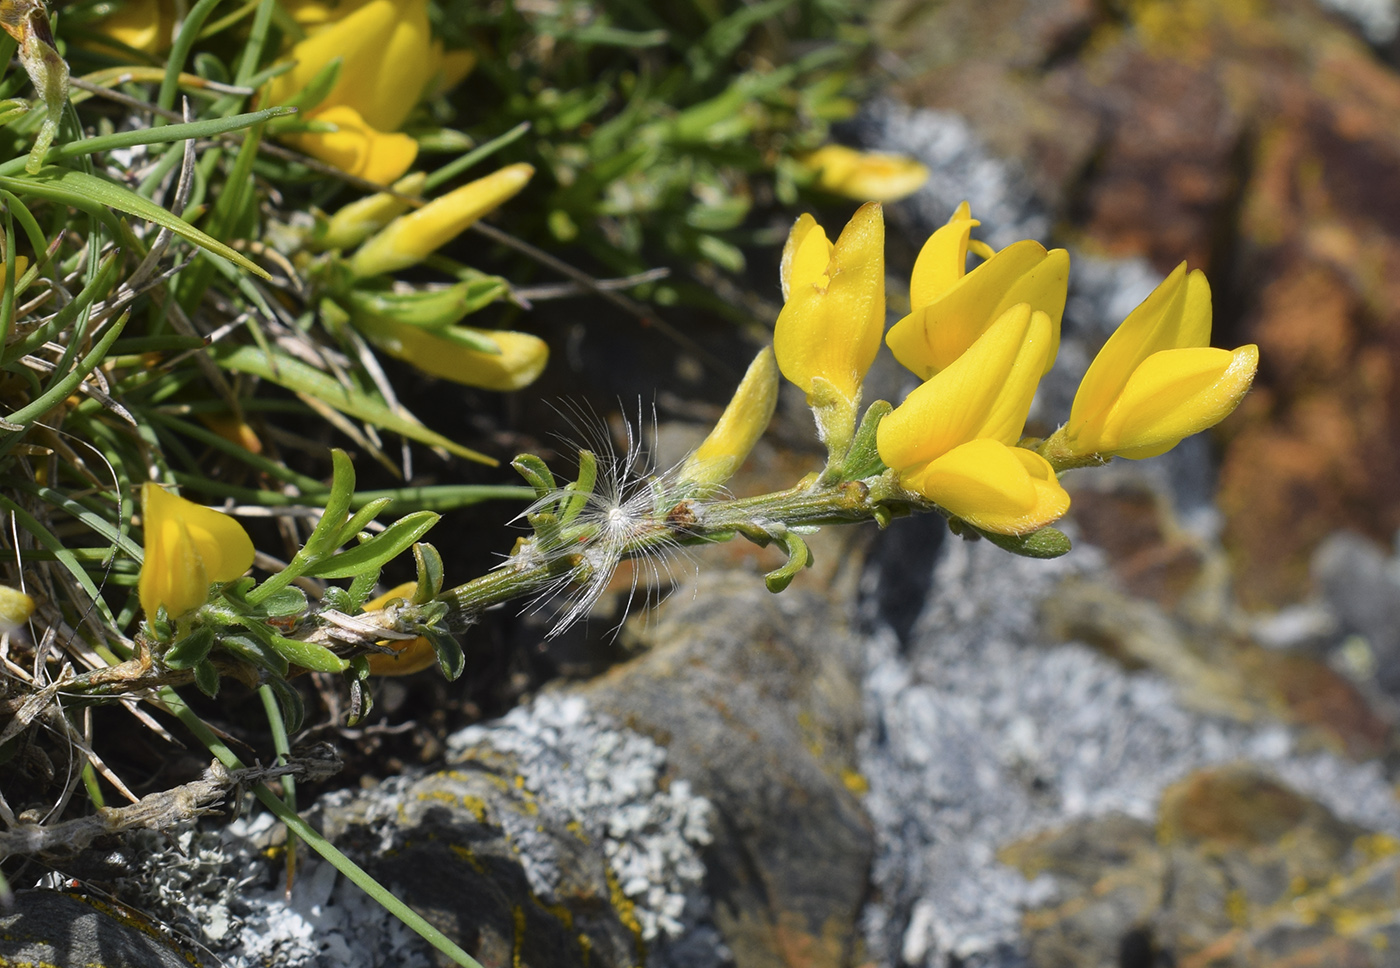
(96, 195)
(300, 377)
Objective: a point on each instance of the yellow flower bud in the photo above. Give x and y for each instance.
(353, 223)
(952, 307)
(15, 608)
(187, 547)
(950, 441)
(867, 176)
(410, 655)
(1157, 380)
(739, 427)
(521, 357)
(409, 238)
(830, 326)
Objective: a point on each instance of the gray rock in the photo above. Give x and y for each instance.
(981, 734)
(756, 699)
(1361, 586)
(50, 928)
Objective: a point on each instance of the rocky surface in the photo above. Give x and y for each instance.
(43, 928)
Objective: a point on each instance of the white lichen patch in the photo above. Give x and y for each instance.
(608, 780)
(221, 890)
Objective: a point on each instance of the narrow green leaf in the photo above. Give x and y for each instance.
(95, 195)
(337, 507)
(361, 518)
(581, 489)
(295, 375)
(373, 554)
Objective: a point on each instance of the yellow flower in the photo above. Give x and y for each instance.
(952, 307)
(146, 25)
(15, 608)
(357, 148)
(950, 441)
(738, 428)
(388, 62)
(829, 328)
(410, 655)
(187, 547)
(1157, 380)
(409, 238)
(521, 357)
(867, 176)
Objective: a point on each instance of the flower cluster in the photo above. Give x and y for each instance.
(981, 340)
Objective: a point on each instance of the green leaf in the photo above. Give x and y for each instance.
(92, 194)
(799, 557)
(284, 602)
(429, 573)
(362, 517)
(450, 656)
(375, 552)
(191, 650)
(337, 507)
(249, 649)
(863, 459)
(536, 473)
(295, 375)
(289, 702)
(1045, 543)
(206, 677)
(581, 489)
(308, 655)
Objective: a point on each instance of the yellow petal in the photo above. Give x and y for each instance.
(833, 332)
(521, 359)
(985, 393)
(386, 89)
(1176, 315)
(358, 148)
(805, 255)
(868, 176)
(409, 238)
(744, 420)
(143, 24)
(353, 223)
(1006, 490)
(1174, 394)
(15, 608)
(943, 259)
(932, 337)
(358, 40)
(187, 546)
